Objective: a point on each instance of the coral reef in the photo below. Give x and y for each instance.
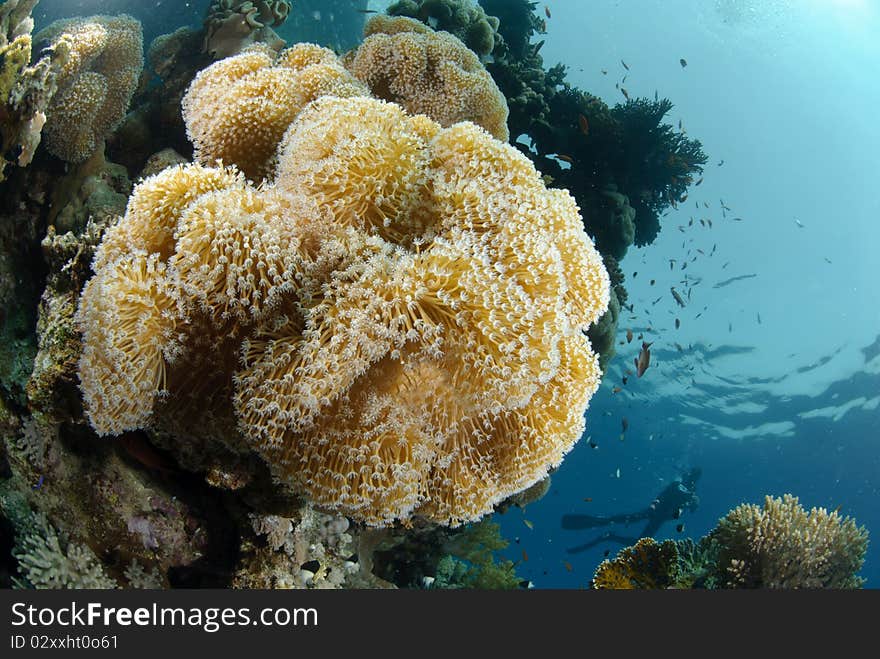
(403, 61)
(384, 302)
(461, 18)
(237, 110)
(100, 62)
(24, 90)
(646, 565)
(233, 25)
(781, 545)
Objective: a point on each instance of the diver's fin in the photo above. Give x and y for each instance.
(577, 522)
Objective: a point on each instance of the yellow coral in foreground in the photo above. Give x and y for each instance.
(101, 60)
(433, 73)
(407, 303)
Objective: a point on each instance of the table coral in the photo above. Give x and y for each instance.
(427, 72)
(406, 303)
(101, 58)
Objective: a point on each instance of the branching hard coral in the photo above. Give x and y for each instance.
(783, 546)
(101, 61)
(432, 73)
(463, 18)
(408, 300)
(232, 25)
(237, 110)
(646, 565)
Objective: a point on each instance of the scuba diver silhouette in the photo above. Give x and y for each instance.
(670, 503)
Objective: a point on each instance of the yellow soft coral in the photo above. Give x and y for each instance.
(101, 60)
(237, 110)
(427, 72)
(407, 304)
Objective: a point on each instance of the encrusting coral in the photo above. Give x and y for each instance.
(101, 61)
(428, 72)
(407, 303)
(237, 110)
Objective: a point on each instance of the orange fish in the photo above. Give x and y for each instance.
(567, 566)
(644, 359)
(616, 390)
(588, 499)
(525, 556)
(584, 124)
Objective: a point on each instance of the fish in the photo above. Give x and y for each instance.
(728, 282)
(702, 222)
(729, 327)
(606, 553)
(594, 445)
(139, 448)
(625, 93)
(677, 513)
(623, 379)
(525, 556)
(799, 223)
(643, 361)
(584, 124)
(624, 65)
(759, 318)
(367, 11)
(635, 274)
(588, 499)
(617, 473)
(683, 62)
(699, 180)
(679, 124)
(624, 79)
(679, 347)
(653, 281)
(691, 222)
(677, 296)
(616, 390)
(567, 566)
(709, 222)
(737, 219)
(677, 323)
(604, 72)
(629, 336)
(671, 263)
(547, 11)
(683, 199)
(39, 482)
(720, 163)
(725, 265)
(624, 424)
(565, 158)
(528, 524)
(679, 528)
(654, 303)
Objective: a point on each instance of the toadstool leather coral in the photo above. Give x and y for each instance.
(433, 73)
(401, 308)
(101, 61)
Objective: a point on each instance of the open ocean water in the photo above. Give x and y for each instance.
(771, 382)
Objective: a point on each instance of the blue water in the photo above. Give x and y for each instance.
(785, 93)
